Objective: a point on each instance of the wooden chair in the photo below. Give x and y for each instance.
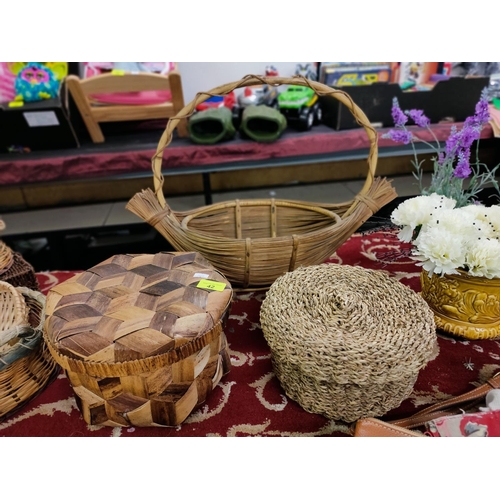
(93, 112)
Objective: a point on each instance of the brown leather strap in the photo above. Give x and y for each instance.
(372, 427)
(450, 406)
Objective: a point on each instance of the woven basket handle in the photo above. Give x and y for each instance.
(250, 80)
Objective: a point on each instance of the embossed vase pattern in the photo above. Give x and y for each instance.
(463, 305)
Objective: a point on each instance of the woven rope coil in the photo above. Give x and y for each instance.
(346, 342)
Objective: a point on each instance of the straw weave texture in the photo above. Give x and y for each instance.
(346, 342)
(20, 273)
(142, 344)
(13, 309)
(6, 257)
(252, 242)
(26, 366)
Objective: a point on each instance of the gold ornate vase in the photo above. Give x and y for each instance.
(464, 305)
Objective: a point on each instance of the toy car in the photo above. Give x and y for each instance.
(254, 96)
(259, 94)
(228, 101)
(300, 106)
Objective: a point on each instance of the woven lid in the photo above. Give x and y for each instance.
(134, 306)
(346, 324)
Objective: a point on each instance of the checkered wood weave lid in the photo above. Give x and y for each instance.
(131, 307)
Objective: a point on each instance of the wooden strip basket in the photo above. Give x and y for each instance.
(26, 366)
(14, 269)
(20, 273)
(6, 256)
(141, 343)
(253, 242)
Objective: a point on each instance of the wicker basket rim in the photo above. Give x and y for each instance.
(24, 331)
(184, 223)
(6, 257)
(18, 309)
(188, 217)
(266, 202)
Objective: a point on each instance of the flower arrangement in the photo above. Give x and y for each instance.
(446, 238)
(454, 175)
(448, 228)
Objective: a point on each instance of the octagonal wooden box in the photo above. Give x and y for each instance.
(141, 337)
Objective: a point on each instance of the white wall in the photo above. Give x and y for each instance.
(204, 76)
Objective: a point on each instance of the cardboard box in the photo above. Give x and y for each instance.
(35, 126)
(416, 72)
(451, 100)
(347, 76)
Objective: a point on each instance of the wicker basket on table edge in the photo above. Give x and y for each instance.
(252, 242)
(14, 269)
(347, 342)
(6, 257)
(26, 366)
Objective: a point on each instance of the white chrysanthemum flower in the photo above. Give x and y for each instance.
(489, 216)
(417, 211)
(483, 258)
(440, 251)
(459, 224)
(476, 210)
(451, 238)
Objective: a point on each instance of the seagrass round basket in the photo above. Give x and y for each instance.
(346, 342)
(26, 366)
(141, 337)
(252, 242)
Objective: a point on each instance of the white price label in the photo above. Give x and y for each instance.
(41, 118)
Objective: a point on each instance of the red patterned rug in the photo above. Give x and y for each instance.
(249, 400)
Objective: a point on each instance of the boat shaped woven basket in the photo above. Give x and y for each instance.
(26, 366)
(252, 242)
(347, 342)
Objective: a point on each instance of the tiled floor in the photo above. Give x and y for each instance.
(114, 214)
